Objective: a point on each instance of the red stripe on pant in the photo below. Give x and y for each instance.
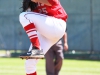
(32, 73)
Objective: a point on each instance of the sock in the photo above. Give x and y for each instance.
(32, 73)
(32, 34)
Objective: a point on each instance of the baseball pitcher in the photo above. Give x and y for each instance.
(45, 23)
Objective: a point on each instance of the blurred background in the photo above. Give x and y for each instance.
(83, 28)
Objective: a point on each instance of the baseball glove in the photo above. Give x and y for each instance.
(28, 4)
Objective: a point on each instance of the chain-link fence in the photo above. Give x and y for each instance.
(83, 25)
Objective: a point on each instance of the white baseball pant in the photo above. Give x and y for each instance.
(49, 30)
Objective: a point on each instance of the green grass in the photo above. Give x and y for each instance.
(15, 66)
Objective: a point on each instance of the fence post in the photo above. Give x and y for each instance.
(91, 25)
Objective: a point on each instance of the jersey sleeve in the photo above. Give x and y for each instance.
(53, 2)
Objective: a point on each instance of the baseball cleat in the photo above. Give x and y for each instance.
(33, 54)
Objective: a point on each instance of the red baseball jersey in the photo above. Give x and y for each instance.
(56, 10)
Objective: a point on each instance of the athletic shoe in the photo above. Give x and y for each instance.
(33, 54)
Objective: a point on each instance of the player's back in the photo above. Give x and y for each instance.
(56, 10)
